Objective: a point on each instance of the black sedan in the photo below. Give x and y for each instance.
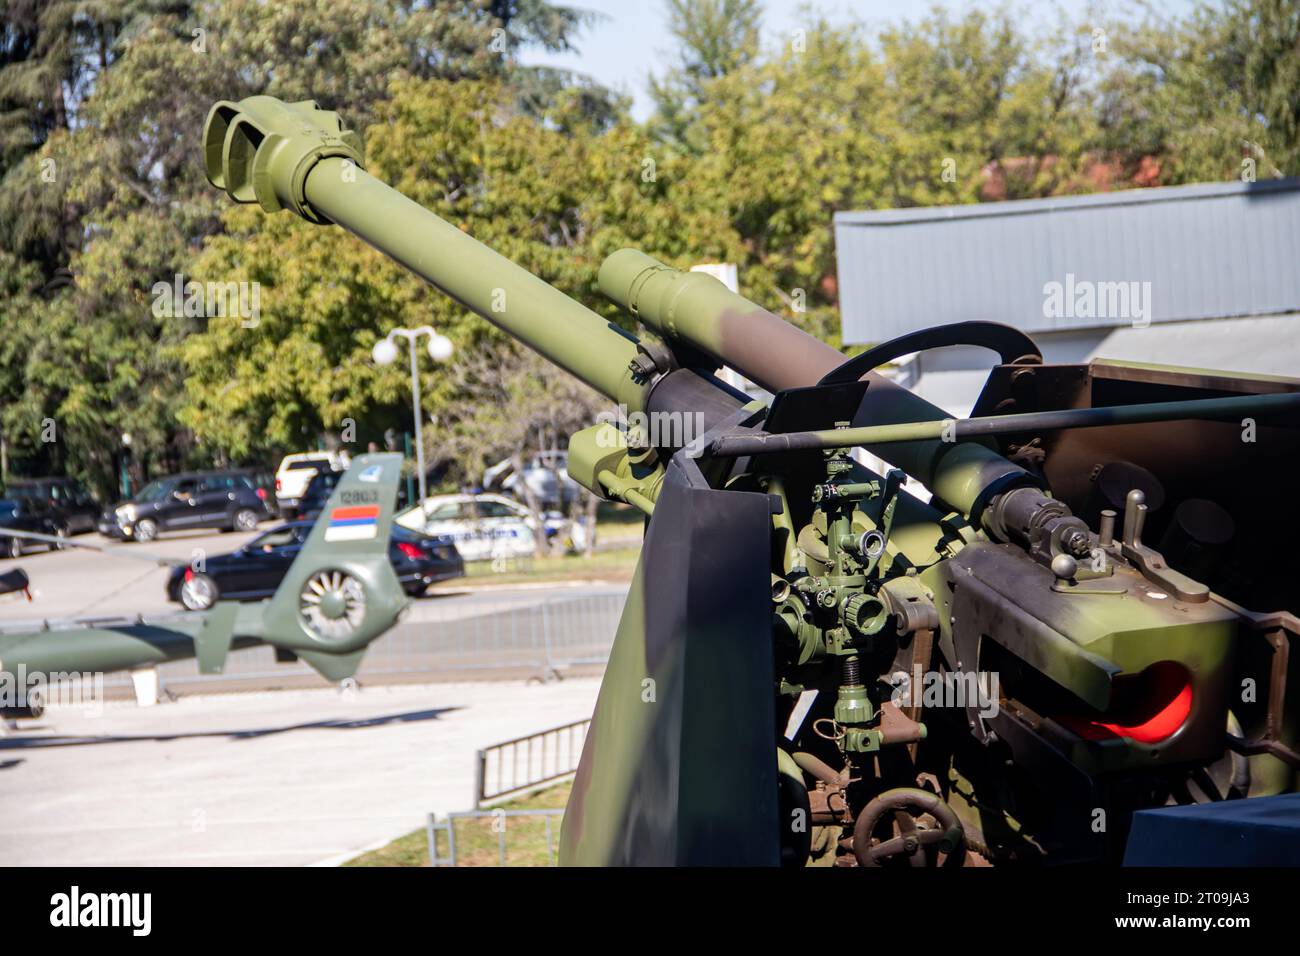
(27, 514)
(255, 570)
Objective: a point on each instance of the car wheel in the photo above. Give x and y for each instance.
(60, 532)
(146, 529)
(198, 593)
(245, 520)
(14, 548)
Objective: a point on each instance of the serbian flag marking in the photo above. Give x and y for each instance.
(353, 524)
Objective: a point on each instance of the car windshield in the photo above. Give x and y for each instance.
(317, 463)
(278, 538)
(153, 491)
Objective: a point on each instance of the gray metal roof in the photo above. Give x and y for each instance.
(1211, 250)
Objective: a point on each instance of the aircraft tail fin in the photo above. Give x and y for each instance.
(212, 642)
(340, 593)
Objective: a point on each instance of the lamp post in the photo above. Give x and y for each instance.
(385, 353)
(124, 476)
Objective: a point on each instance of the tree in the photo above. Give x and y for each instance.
(102, 196)
(714, 38)
(1211, 94)
(51, 52)
(837, 121)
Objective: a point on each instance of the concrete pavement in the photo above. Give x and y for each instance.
(285, 778)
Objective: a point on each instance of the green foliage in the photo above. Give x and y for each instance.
(102, 194)
(714, 38)
(1207, 92)
(832, 122)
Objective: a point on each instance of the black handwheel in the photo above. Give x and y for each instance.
(906, 804)
(1013, 347)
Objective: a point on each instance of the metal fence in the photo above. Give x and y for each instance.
(447, 827)
(441, 635)
(514, 766)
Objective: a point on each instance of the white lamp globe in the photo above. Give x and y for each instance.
(440, 347)
(384, 352)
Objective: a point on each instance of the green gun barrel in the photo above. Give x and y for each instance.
(299, 157)
(697, 309)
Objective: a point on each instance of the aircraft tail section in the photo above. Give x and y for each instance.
(340, 593)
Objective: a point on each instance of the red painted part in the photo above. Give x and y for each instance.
(354, 511)
(408, 549)
(1150, 707)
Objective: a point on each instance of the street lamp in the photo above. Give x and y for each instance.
(385, 352)
(124, 475)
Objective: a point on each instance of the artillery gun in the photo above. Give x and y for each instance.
(1091, 614)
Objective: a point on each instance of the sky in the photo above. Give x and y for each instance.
(631, 39)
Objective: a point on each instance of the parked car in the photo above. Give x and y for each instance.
(545, 474)
(296, 471)
(255, 570)
(484, 526)
(27, 514)
(74, 508)
(232, 500)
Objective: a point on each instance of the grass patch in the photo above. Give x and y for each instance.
(478, 841)
(618, 522)
(615, 564)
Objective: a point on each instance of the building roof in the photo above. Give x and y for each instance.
(1210, 250)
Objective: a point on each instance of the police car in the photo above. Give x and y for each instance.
(485, 526)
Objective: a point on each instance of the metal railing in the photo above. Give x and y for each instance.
(524, 763)
(523, 633)
(447, 826)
